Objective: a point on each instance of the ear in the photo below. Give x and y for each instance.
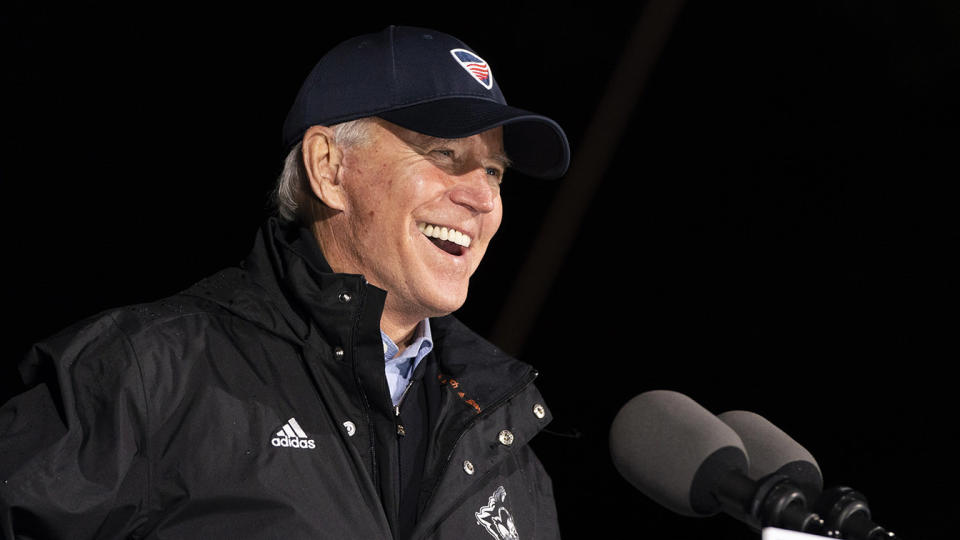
(321, 159)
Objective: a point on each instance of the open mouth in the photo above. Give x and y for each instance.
(448, 239)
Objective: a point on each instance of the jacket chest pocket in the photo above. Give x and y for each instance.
(272, 462)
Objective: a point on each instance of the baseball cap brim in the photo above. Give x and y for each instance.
(535, 144)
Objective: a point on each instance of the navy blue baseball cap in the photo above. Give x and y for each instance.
(428, 82)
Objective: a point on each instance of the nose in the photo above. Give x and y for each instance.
(476, 191)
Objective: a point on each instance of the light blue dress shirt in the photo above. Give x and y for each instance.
(399, 367)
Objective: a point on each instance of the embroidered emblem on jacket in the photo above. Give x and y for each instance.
(495, 517)
(292, 435)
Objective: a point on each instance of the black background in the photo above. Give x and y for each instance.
(775, 230)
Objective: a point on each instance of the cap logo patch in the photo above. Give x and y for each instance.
(475, 66)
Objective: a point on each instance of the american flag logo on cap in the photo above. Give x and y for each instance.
(475, 66)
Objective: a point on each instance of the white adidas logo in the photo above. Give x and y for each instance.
(292, 435)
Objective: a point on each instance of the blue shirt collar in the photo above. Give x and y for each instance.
(399, 367)
(421, 345)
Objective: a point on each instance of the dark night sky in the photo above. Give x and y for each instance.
(775, 230)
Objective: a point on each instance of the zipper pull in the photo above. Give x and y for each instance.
(396, 410)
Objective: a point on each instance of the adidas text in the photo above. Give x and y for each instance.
(293, 443)
(291, 435)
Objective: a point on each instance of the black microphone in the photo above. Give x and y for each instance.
(773, 453)
(686, 459)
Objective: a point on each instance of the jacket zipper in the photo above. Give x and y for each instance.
(396, 409)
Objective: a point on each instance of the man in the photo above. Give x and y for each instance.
(322, 389)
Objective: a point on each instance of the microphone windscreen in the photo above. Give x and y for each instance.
(660, 439)
(772, 451)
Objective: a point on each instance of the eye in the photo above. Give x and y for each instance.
(444, 152)
(495, 172)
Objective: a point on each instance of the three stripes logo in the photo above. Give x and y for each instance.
(475, 66)
(292, 435)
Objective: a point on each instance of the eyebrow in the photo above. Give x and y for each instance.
(503, 159)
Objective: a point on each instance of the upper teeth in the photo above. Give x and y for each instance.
(445, 233)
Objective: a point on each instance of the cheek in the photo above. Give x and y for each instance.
(370, 195)
(494, 219)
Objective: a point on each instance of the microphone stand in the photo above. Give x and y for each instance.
(848, 516)
(774, 501)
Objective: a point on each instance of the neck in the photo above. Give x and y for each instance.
(401, 333)
(398, 321)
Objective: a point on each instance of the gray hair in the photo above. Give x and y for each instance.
(292, 190)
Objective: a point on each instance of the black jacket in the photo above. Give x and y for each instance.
(254, 405)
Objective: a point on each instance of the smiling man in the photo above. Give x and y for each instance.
(322, 389)
(413, 214)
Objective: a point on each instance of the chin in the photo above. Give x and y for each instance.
(448, 303)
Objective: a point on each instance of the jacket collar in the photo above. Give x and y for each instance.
(287, 264)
